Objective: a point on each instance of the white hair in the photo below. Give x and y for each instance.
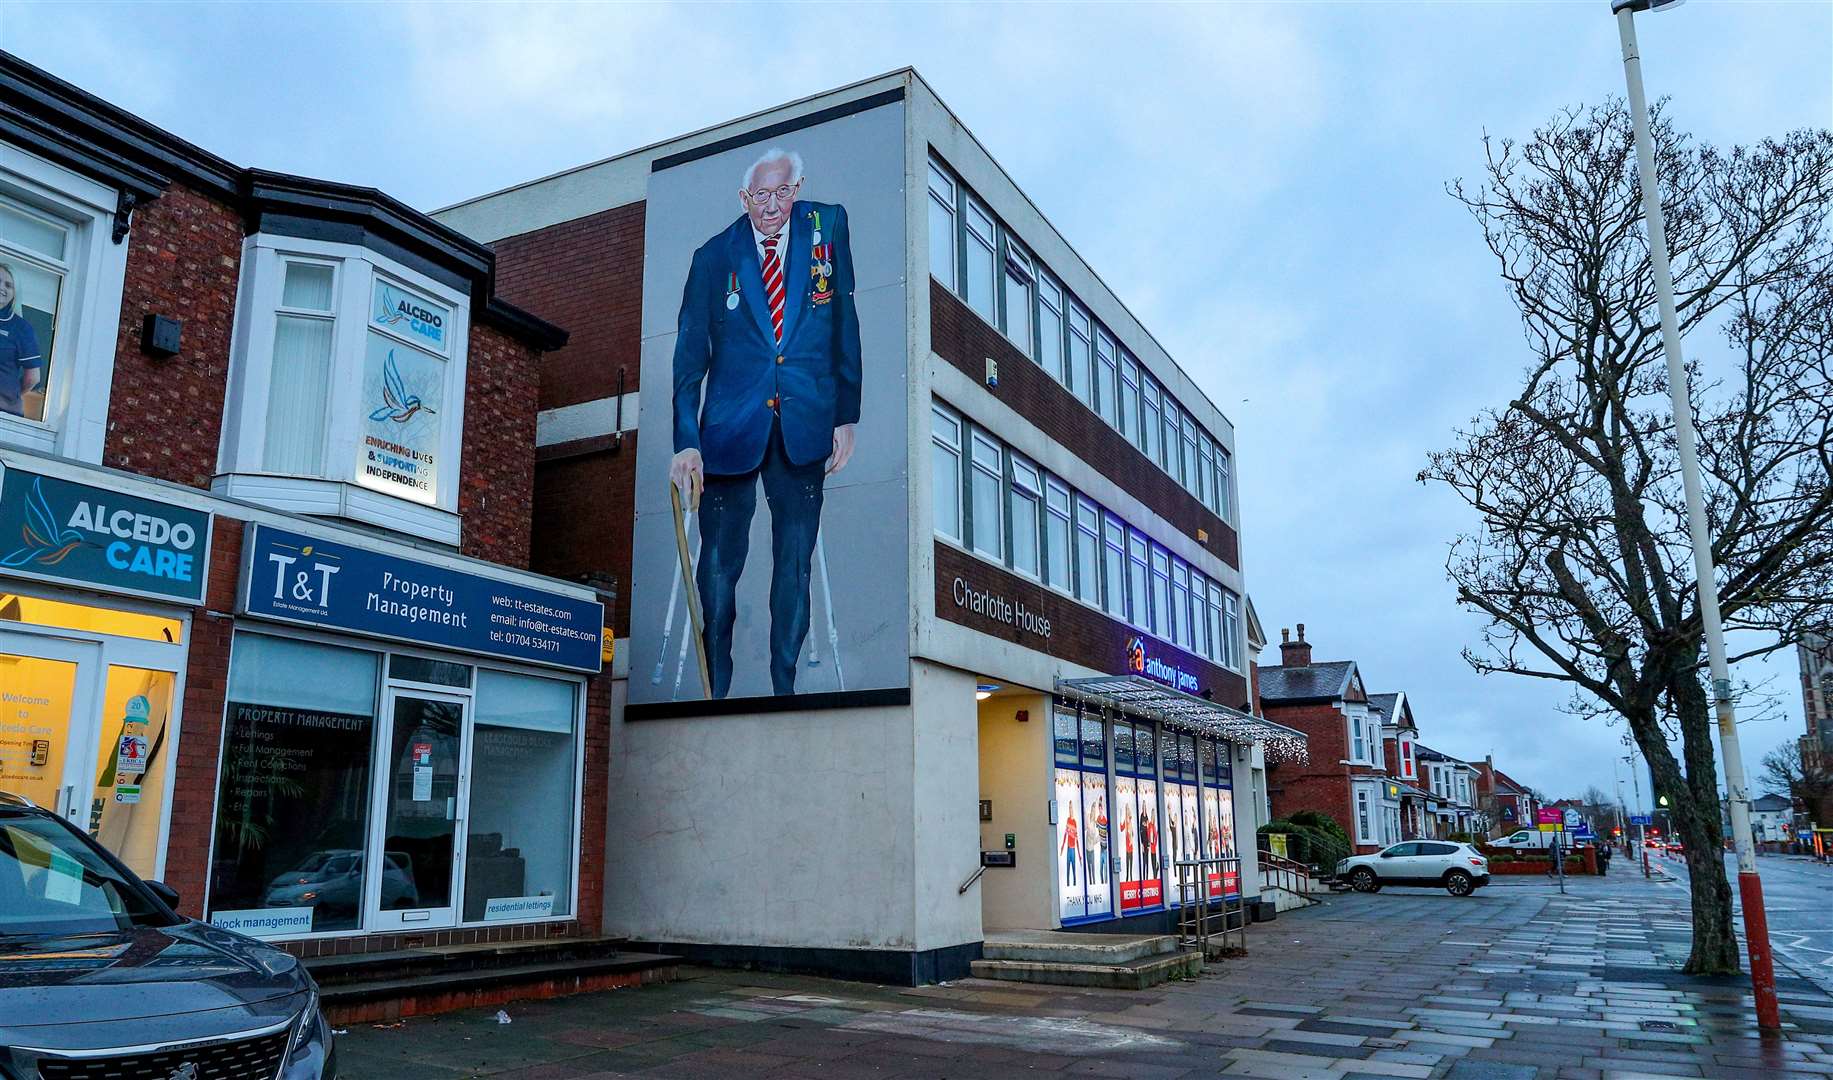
(771, 157)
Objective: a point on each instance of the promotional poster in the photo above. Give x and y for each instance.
(1072, 852)
(1098, 843)
(771, 471)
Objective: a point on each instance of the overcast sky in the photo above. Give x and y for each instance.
(1262, 185)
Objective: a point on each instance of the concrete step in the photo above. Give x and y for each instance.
(1135, 974)
(1057, 947)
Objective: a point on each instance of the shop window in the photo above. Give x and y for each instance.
(945, 471)
(942, 264)
(1056, 536)
(519, 847)
(1107, 392)
(979, 243)
(348, 373)
(432, 672)
(1088, 552)
(39, 611)
(1114, 565)
(133, 765)
(1129, 399)
(1050, 326)
(293, 794)
(1027, 494)
(1080, 379)
(1016, 304)
(987, 520)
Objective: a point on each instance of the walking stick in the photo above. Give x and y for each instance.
(687, 586)
(827, 595)
(668, 622)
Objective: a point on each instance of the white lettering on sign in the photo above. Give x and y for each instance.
(999, 609)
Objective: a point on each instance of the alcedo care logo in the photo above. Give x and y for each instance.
(398, 404)
(405, 313)
(130, 541)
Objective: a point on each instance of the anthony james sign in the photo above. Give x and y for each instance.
(313, 582)
(60, 530)
(999, 609)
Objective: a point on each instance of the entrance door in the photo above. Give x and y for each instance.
(47, 710)
(420, 811)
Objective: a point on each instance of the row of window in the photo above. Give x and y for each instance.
(984, 264)
(1365, 740)
(1450, 783)
(997, 504)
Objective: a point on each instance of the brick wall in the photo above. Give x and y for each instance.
(1322, 783)
(497, 465)
(965, 340)
(586, 275)
(583, 512)
(165, 416)
(1078, 633)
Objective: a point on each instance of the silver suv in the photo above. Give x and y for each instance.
(1459, 868)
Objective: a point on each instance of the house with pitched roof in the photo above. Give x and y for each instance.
(1506, 803)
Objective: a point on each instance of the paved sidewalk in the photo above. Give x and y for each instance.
(1514, 983)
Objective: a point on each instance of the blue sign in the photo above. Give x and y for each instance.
(313, 582)
(60, 530)
(1641, 819)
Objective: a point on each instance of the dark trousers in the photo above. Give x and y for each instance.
(727, 505)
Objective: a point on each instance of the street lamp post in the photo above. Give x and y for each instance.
(1750, 886)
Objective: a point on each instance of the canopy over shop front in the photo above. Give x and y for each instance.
(1141, 697)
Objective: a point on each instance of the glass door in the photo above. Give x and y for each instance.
(421, 805)
(47, 702)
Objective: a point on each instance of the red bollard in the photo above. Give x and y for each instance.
(1762, 963)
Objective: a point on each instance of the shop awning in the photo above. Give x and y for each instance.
(1144, 698)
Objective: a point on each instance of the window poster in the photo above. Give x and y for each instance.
(1071, 851)
(1097, 844)
(1212, 837)
(1151, 847)
(403, 425)
(1126, 805)
(1225, 810)
(1185, 841)
(770, 465)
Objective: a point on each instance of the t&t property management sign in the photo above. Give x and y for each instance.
(314, 582)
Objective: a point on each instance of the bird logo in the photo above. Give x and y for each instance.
(397, 404)
(46, 542)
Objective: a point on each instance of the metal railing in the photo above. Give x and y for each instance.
(1208, 918)
(1279, 872)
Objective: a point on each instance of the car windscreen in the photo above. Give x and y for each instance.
(52, 882)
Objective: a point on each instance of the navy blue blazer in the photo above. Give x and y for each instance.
(730, 374)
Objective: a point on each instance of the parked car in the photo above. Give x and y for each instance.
(333, 881)
(1459, 868)
(99, 976)
(1525, 839)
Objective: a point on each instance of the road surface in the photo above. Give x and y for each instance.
(1798, 894)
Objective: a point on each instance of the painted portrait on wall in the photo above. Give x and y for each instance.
(771, 506)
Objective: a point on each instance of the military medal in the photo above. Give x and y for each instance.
(732, 293)
(815, 216)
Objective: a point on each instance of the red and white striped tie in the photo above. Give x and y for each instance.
(773, 284)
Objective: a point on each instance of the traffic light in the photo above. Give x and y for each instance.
(1618, 831)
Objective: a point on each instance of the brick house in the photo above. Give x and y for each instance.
(1400, 737)
(275, 471)
(1346, 775)
(1506, 804)
(1454, 783)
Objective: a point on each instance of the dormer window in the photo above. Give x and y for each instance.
(346, 387)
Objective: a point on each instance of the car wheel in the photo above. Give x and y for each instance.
(1363, 880)
(1458, 883)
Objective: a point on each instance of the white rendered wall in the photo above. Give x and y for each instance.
(947, 805)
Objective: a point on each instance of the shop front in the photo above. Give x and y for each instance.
(402, 745)
(97, 591)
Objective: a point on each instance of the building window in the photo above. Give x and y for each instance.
(34, 260)
(1180, 604)
(1231, 630)
(1206, 465)
(1129, 398)
(1187, 470)
(1199, 615)
(1050, 326)
(1056, 536)
(942, 264)
(1080, 378)
(1019, 276)
(1161, 593)
(1027, 493)
(1359, 748)
(986, 521)
(1107, 392)
(1138, 593)
(1114, 564)
(1364, 833)
(304, 323)
(1167, 433)
(1151, 437)
(1088, 552)
(1224, 487)
(945, 471)
(519, 832)
(980, 243)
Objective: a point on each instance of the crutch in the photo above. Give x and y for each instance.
(827, 596)
(687, 585)
(668, 623)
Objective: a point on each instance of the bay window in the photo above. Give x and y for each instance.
(346, 387)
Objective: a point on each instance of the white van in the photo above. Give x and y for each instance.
(1526, 840)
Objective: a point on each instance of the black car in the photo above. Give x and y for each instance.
(99, 977)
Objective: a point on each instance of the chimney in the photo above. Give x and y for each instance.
(1294, 654)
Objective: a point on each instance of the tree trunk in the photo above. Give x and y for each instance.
(1698, 817)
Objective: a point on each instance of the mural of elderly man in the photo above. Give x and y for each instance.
(766, 393)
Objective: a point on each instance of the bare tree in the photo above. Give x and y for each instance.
(1786, 773)
(1582, 563)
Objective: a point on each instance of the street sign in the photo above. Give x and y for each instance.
(1641, 819)
(1572, 820)
(1548, 818)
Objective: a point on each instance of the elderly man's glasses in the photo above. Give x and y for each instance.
(781, 194)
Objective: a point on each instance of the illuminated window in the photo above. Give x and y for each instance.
(37, 611)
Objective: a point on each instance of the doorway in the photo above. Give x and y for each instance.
(421, 804)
